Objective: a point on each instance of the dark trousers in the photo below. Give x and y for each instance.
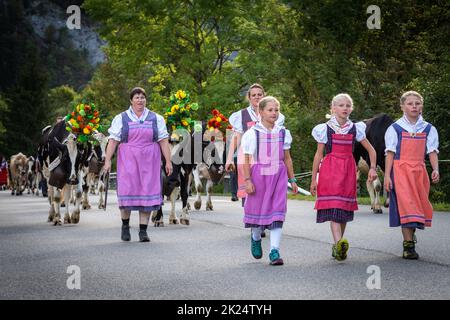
(234, 180)
(43, 187)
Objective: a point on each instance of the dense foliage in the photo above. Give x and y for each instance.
(302, 52)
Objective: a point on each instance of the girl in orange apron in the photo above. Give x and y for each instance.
(409, 206)
(406, 175)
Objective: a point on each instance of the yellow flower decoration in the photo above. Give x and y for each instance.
(180, 94)
(179, 112)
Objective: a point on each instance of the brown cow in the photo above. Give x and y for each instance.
(18, 173)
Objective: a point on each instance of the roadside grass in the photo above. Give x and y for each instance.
(437, 206)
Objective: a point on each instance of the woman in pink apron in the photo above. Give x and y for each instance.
(141, 135)
(334, 176)
(408, 140)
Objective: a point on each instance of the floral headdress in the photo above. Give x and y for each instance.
(218, 122)
(83, 121)
(179, 112)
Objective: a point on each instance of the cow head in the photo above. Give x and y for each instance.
(19, 163)
(213, 157)
(68, 152)
(101, 150)
(30, 163)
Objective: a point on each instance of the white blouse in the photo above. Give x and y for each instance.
(319, 132)
(236, 119)
(248, 142)
(391, 138)
(115, 131)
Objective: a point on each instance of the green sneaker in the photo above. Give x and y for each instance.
(256, 249)
(334, 252)
(342, 248)
(275, 259)
(409, 250)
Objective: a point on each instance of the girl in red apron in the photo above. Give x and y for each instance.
(334, 176)
(406, 178)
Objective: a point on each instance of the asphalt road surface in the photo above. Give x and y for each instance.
(211, 259)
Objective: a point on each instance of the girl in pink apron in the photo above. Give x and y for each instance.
(266, 176)
(408, 140)
(241, 121)
(142, 135)
(334, 176)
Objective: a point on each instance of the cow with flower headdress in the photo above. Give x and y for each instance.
(197, 147)
(65, 149)
(180, 125)
(211, 168)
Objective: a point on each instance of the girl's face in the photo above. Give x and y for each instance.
(138, 102)
(255, 95)
(270, 113)
(412, 107)
(342, 108)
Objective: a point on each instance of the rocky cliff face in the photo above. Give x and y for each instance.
(44, 15)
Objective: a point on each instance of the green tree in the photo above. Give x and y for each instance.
(59, 101)
(22, 81)
(3, 111)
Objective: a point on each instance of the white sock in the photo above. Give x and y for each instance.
(256, 234)
(275, 238)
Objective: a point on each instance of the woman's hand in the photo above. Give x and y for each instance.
(294, 187)
(229, 166)
(107, 165)
(435, 176)
(372, 176)
(169, 168)
(387, 183)
(249, 187)
(313, 187)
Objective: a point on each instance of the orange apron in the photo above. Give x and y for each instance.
(411, 180)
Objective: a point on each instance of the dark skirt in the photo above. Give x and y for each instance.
(335, 215)
(147, 209)
(273, 225)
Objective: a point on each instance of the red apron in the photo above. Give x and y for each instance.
(336, 186)
(411, 180)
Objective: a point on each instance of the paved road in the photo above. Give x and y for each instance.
(210, 259)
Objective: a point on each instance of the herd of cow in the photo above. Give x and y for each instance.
(74, 169)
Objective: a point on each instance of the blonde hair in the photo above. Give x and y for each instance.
(264, 101)
(253, 86)
(339, 96)
(335, 99)
(410, 93)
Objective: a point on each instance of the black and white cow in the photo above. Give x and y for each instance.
(375, 131)
(189, 154)
(65, 160)
(211, 169)
(94, 177)
(33, 175)
(181, 147)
